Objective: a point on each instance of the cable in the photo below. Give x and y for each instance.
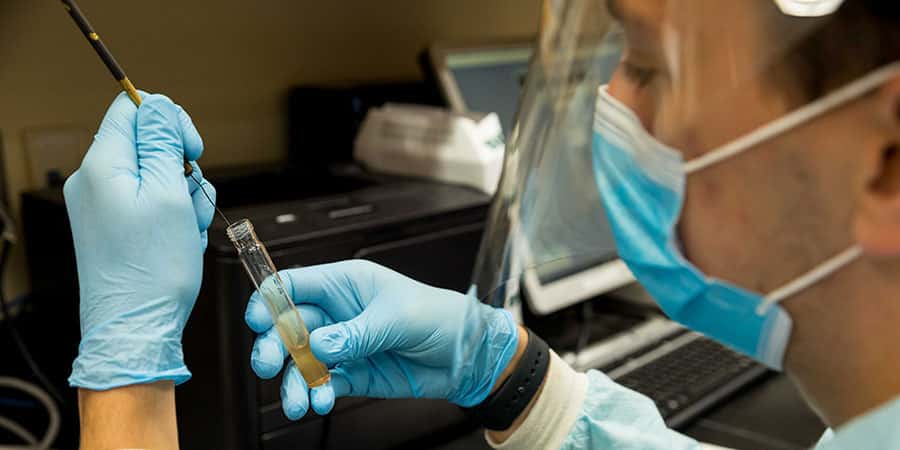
(35, 369)
(9, 237)
(14, 333)
(52, 411)
(18, 430)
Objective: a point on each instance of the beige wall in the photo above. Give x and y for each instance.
(228, 62)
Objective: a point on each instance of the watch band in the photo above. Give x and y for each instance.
(500, 409)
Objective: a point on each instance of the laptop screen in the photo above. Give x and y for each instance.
(490, 80)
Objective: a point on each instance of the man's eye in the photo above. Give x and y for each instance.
(642, 76)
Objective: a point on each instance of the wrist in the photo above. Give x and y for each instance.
(513, 394)
(105, 362)
(552, 413)
(502, 435)
(130, 417)
(517, 356)
(488, 352)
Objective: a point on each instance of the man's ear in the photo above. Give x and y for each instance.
(878, 219)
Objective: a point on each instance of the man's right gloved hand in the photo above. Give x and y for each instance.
(140, 230)
(385, 336)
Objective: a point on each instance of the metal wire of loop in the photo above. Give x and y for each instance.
(211, 202)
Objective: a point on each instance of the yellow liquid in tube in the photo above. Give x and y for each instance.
(314, 372)
(296, 340)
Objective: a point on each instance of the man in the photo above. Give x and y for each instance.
(747, 158)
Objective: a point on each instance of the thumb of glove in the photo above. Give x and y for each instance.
(358, 338)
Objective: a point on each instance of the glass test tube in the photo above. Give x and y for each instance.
(285, 316)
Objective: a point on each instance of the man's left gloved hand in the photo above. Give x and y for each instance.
(139, 227)
(384, 336)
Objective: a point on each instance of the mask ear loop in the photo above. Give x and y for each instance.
(810, 278)
(790, 121)
(794, 119)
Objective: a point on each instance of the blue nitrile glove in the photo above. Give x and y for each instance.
(386, 336)
(139, 227)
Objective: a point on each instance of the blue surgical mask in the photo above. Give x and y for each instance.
(642, 184)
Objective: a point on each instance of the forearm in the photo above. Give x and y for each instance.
(138, 416)
(575, 410)
(500, 436)
(550, 415)
(503, 435)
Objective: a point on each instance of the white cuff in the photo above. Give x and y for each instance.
(553, 414)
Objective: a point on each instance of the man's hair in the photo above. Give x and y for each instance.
(857, 39)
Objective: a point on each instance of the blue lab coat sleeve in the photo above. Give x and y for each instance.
(615, 417)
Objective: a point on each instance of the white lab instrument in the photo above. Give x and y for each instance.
(429, 142)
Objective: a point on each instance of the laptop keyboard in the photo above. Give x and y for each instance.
(686, 374)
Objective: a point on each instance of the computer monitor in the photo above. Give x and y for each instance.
(489, 78)
(558, 285)
(482, 78)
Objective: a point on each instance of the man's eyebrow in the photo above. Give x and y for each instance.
(615, 9)
(629, 17)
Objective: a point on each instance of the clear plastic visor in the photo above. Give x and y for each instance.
(547, 236)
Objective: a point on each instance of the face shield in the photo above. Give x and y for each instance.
(547, 221)
(548, 241)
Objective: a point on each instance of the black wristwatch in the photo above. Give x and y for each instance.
(500, 410)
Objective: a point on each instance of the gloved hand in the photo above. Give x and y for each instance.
(386, 336)
(139, 227)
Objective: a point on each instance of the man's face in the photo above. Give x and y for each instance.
(698, 74)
